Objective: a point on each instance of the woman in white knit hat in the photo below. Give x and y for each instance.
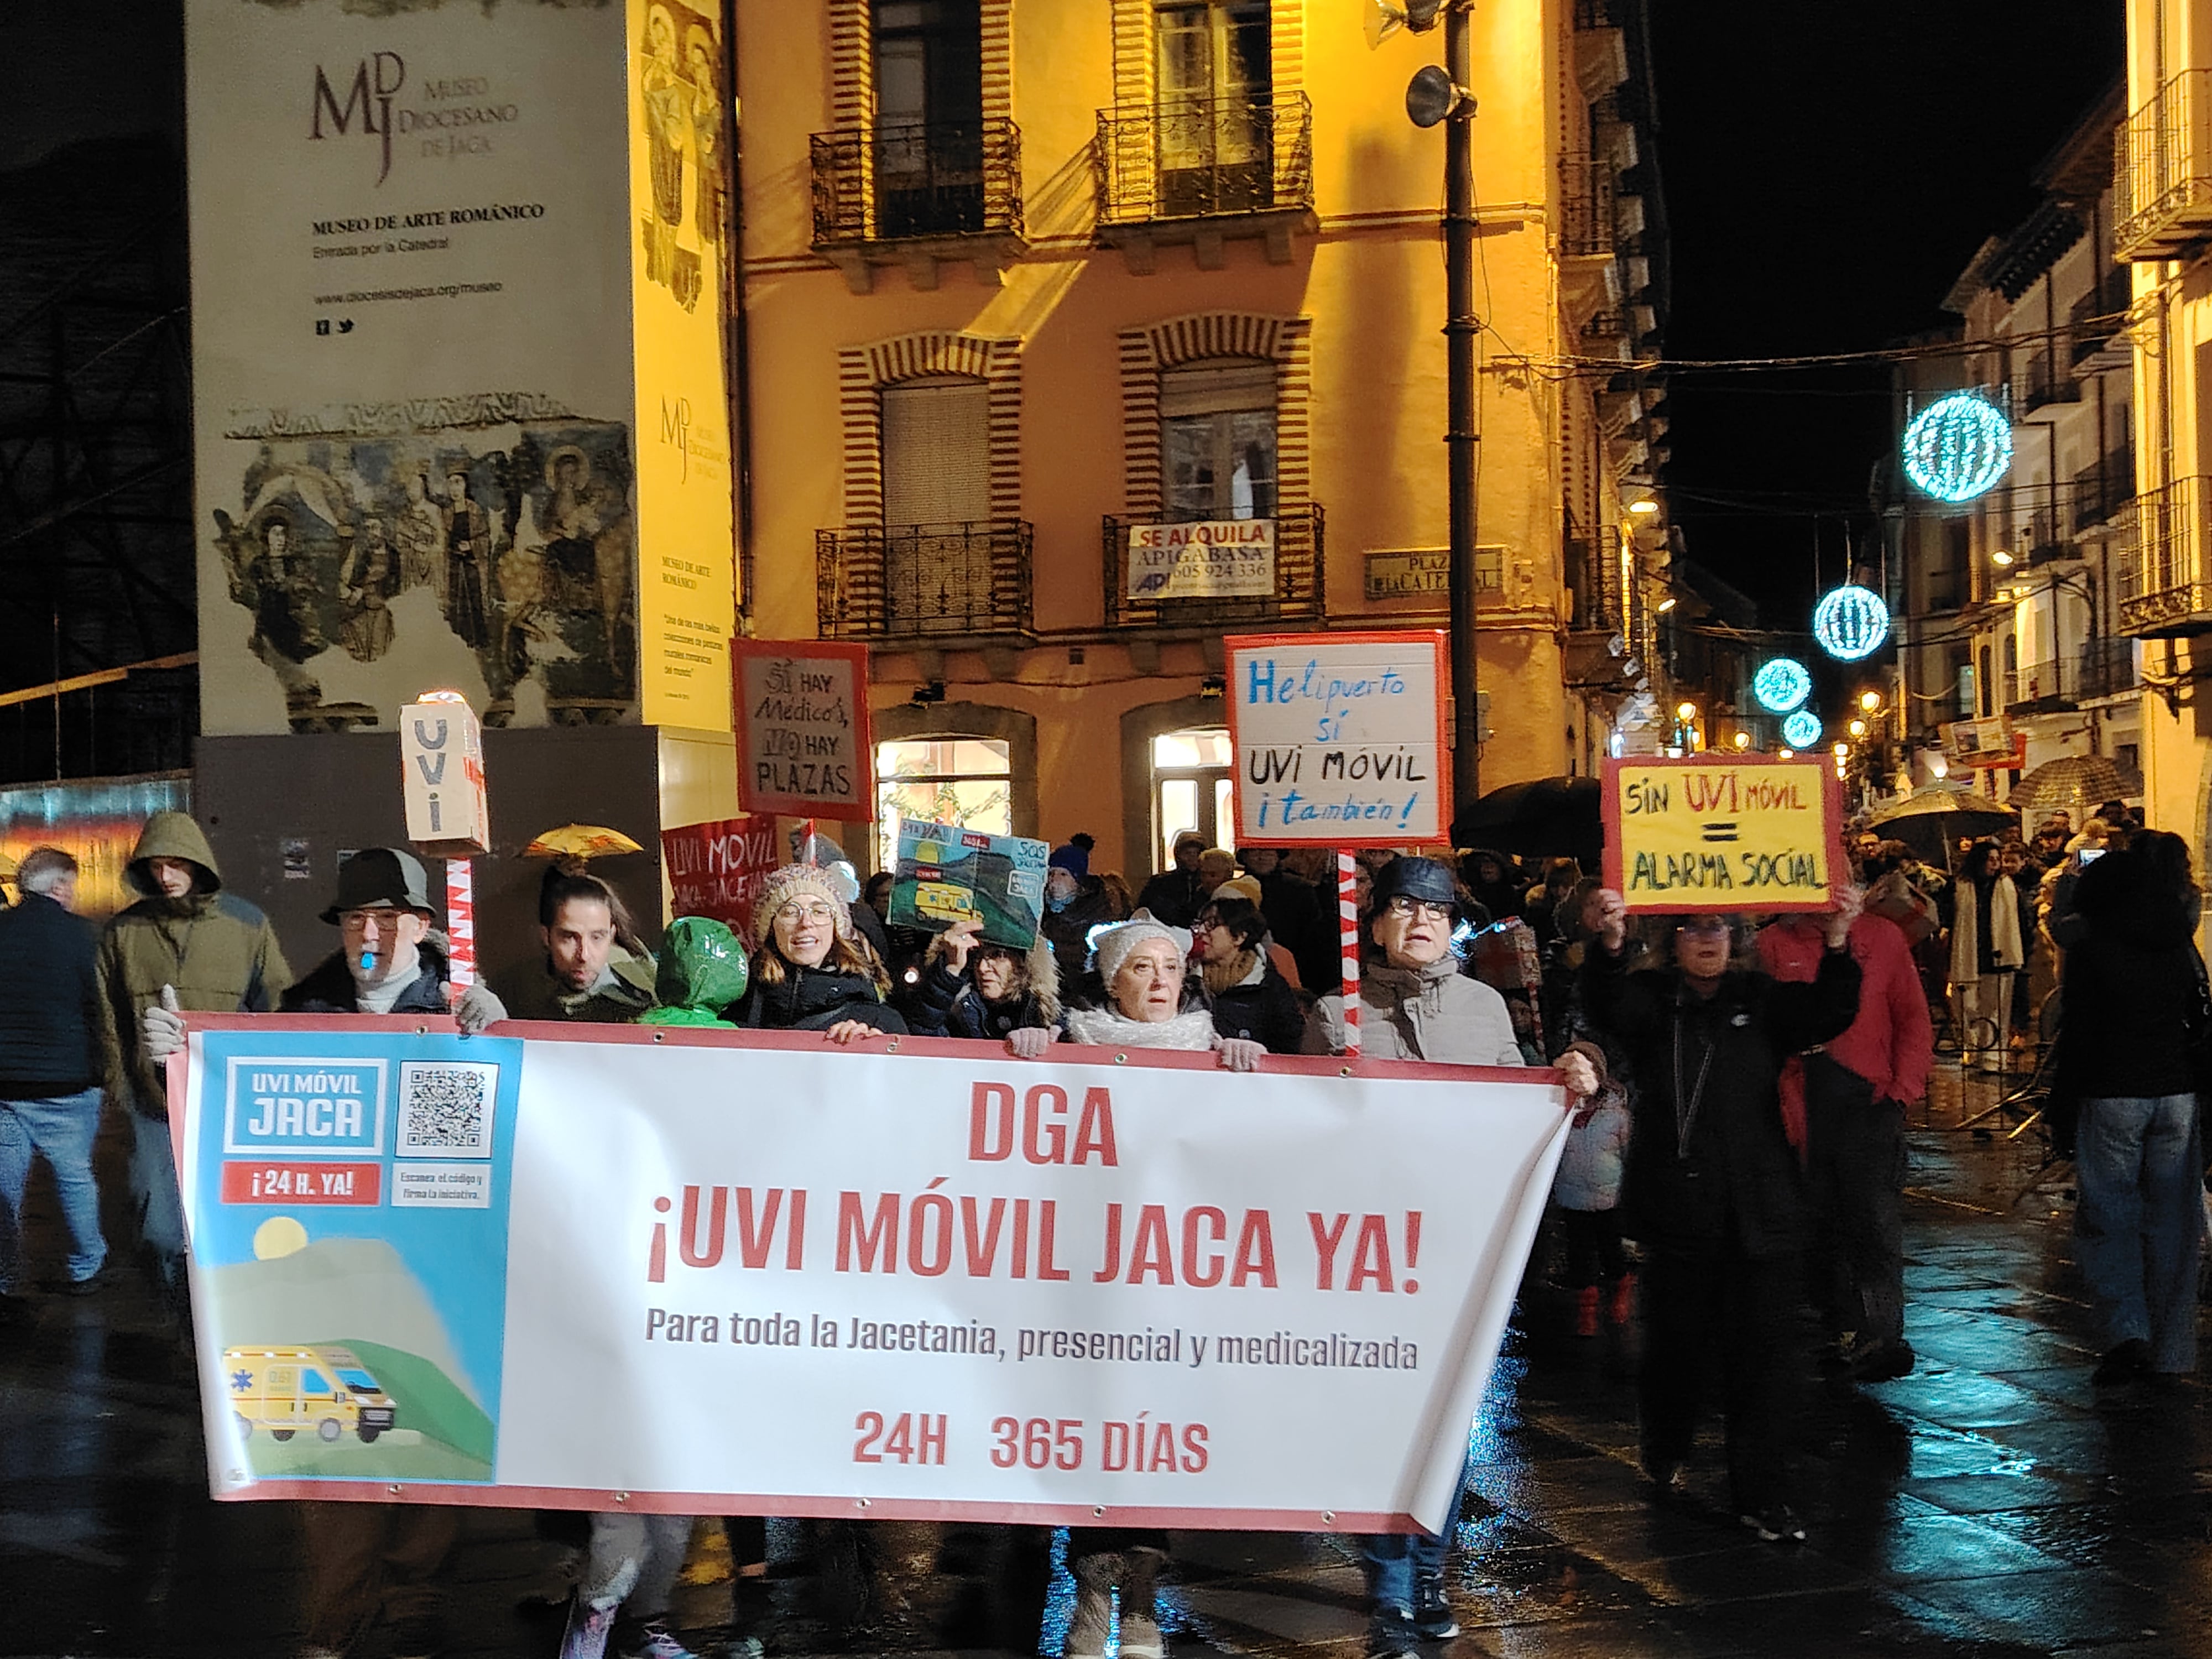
(812, 971)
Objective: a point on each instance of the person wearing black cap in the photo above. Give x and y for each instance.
(364, 1561)
(1414, 1003)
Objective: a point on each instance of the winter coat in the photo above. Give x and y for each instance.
(623, 994)
(51, 1016)
(1174, 896)
(1434, 1013)
(1594, 1160)
(219, 953)
(1729, 1174)
(813, 999)
(949, 1004)
(1891, 1044)
(1069, 929)
(1304, 927)
(2130, 992)
(1191, 1030)
(330, 989)
(1261, 1007)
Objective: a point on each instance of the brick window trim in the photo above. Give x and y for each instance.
(1147, 351)
(862, 372)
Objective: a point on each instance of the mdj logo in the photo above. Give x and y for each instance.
(292, 1105)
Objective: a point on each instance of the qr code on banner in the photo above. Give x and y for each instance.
(446, 1109)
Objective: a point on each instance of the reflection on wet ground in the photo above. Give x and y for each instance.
(1990, 1504)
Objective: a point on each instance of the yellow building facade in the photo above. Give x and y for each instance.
(1022, 282)
(2163, 231)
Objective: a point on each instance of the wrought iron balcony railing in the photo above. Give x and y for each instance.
(2100, 489)
(2108, 667)
(923, 581)
(2165, 583)
(2043, 542)
(1586, 187)
(2047, 383)
(2162, 172)
(904, 183)
(1199, 158)
(2098, 316)
(1300, 593)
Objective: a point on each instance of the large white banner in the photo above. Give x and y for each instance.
(710, 1272)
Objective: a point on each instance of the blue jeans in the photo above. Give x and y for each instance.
(2139, 1226)
(59, 1129)
(153, 1187)
(1400, 1563)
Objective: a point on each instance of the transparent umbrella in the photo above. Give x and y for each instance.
(2078, 784)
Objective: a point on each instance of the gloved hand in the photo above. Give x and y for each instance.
(477, 1009)
(1241, 1054)
(1030, 1042)
(161, 1028)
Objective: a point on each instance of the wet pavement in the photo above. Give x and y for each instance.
(1990, 1504)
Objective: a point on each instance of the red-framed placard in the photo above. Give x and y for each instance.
(1340, 739)
(1723, 832)
(803, 743)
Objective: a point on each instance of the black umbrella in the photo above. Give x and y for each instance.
(1933, 819)
(1548, 817)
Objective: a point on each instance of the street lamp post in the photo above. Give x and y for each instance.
(1462, 431)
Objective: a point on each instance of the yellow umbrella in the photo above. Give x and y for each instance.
(580, 841)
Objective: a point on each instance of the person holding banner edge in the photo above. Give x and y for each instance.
(1415, 1004)
(1714, 1190)
(812, 970)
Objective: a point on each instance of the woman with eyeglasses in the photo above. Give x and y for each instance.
(1248, 995)
(811, 970)
(1414, 1003)
(1714, 1191)
(971, 988)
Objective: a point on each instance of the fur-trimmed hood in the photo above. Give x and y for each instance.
(1040, 976)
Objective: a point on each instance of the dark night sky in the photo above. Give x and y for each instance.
(1829, 170)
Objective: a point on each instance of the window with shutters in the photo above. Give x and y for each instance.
(937, 490)
(1217, 439)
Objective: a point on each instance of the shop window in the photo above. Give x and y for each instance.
(967, 781)
(1191, 789)
(1217, 439)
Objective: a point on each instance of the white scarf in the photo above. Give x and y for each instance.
(2005, 950)
(1107, 1028)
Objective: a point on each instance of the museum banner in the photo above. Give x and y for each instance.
(736, 1273)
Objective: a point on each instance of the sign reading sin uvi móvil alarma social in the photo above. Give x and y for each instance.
(1706, 833)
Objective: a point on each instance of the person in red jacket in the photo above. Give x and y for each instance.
(1852, 1094)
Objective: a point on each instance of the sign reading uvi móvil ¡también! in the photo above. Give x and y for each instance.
(1228, 558)
(1339, 739)
(1705, 833)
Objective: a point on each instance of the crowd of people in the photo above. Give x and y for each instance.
(1732, 1178)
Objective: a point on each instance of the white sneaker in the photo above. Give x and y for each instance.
(654, 1642)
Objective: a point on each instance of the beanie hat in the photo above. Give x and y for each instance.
(1076, 860)
(1240, 886)
(1110, 945)
(781, 886)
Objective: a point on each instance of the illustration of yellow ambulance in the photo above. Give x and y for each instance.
(285, 1390)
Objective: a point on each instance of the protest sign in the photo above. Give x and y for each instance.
(1218, 559)
(802, 721)
(713, 869)
(442, 777)
(1338, 739)
(535, 1270)
(945, 874)
(1704, 832)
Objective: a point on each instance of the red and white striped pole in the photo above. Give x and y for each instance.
(1347, 913)
(460, 923)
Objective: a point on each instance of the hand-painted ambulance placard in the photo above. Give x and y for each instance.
(1339, 739)
(1709, 833)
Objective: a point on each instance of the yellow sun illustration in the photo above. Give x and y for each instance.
(278, 1236)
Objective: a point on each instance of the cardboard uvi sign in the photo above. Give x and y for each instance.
(731, 1273)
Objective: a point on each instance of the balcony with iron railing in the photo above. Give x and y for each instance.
(915, 194)
(2108, 668)
(1300, 582)
(924, 583)
(2038, 688)
(2040, 541)
(1202, 170)
(2097, 493)
(2095, 323)
(2047, 383)
(2165, 564)
(2162, 172)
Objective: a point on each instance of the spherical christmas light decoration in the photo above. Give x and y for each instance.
(1957, 447)
(1781, 684)
(1850, 621)
(1801, 729)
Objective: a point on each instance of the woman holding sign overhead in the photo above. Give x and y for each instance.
(1714, 1191)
